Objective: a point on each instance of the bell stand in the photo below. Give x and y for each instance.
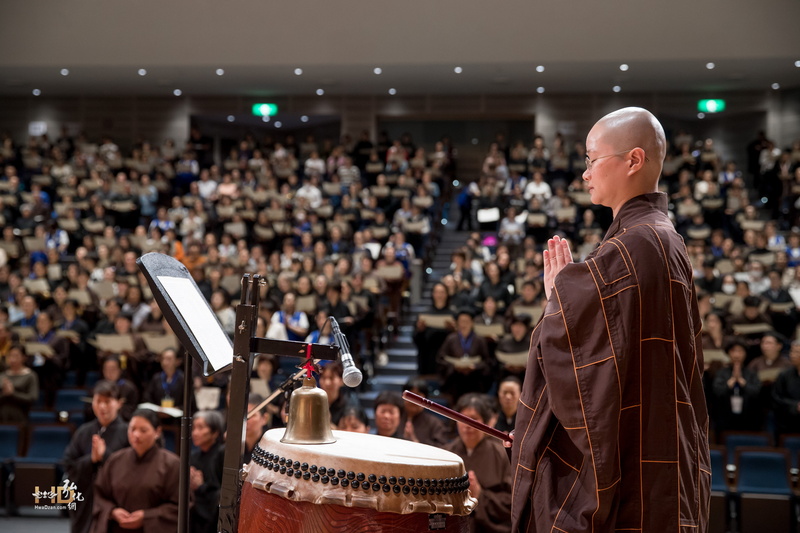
(245, 344)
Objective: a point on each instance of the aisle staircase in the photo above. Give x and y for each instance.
(400, 361)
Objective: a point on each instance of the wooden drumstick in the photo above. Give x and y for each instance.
(455, 415)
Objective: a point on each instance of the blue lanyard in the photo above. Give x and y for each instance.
(466, 343)
(165, 384)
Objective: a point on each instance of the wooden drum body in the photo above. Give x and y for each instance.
(358, 484)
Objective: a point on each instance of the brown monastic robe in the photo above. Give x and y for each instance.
(612, 429)
(149, 482)
(489, 461)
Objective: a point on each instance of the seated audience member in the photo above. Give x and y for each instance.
(255, 427)
(151, 502)
(354, 419)
(128, 394)
(90, 447)
(166, 387)
(786, 395)
(464, 359)
(322, 334)
(51, 362)
(487, 463)
(19, 387)
(517, 341)
(508, 394)
(295, 322)
(221, 305)
(428, 338)
(770, 360)
(736, 393)
(205, 476)
(750, 315)
(339, 396)
(389, 411)
(421, 424)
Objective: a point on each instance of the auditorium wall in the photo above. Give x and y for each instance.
(133, 118)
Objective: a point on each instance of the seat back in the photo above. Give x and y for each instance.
(744, 439)
(48, 442)
(792, 443)
(719, 476)
(763, 471)
(70, 399)
(9, 441)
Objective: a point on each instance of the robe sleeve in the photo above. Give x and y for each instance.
(163, 517)
(103, 504)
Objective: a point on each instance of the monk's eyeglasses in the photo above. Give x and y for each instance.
(590, 162)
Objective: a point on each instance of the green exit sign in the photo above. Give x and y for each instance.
(711, 106)
(265, 110)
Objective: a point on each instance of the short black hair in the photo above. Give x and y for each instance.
(418, 384)
(107, 388)
(390, 397)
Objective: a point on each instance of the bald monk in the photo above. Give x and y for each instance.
(611, 429)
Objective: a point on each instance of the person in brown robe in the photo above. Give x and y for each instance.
(612, 426)
(487, 464)
(137, 488)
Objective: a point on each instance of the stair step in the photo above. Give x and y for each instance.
(391, 351)
(398, 369)
(388, 382)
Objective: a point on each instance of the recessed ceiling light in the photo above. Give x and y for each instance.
(710, 65)
(458, 70)
(393, 91)
(320, 92)
(36, 92)
(474, 140)
(377, 70)
(797, 64)
(177, 92)
(231, 118)
(304, 118)
(65, 72)
(278, 124)
(623, 67)
(298, 72)
(616, 88)
(142, 72)
(540, 68)
(220, 72)
(701, 115)
(776, 86)
(540, 90)
(265, 118)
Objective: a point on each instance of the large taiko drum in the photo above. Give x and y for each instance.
(358, 484)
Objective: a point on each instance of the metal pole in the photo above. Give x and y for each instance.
(186, 434)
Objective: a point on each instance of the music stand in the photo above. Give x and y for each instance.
(199, 332)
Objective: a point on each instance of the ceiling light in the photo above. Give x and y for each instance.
(142, 72)
(278, 124)
(540, 90)
(616, 88)
(776, 86)
(797, 64)
(265, 118)
(623, 67)
(36, 92)
(65, 72)
(177, 92)
(710, 65)
(298, 72)
(377, 70)
(458, 70)
(304, 118)
(701, 116)
(220, 72)
(393, 91)
(320, 92)
(231, 118)
(540, 68)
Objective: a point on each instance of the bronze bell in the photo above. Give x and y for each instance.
(309, 416)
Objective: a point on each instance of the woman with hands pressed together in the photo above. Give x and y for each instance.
(137, 489)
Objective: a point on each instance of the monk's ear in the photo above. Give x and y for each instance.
(636, 161)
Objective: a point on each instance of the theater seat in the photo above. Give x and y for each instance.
(734, 440)
(763, 489)
(719, 515)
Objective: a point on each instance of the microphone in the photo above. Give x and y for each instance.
(351, 375)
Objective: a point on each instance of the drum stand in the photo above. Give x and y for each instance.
(245, 344)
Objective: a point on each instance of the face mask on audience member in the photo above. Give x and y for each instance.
(729, 288)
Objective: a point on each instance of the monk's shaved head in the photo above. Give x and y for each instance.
(630, 127)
